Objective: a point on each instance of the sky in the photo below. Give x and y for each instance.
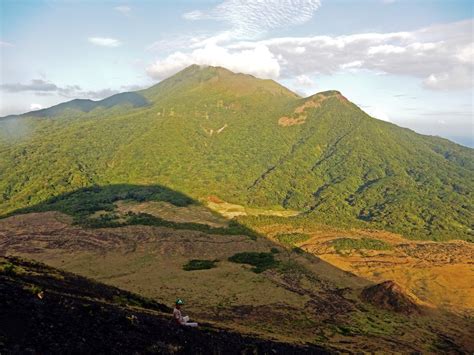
(410, 62)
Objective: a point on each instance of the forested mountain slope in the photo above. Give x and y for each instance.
(208, 131)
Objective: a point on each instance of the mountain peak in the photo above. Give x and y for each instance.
(215, 78)
(326, 95)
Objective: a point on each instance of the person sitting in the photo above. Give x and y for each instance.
(178, 317)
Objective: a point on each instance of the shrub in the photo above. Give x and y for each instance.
(260, 261)
(292, 238)
(34, 289)
(197, 264)
(9, 269)
(297, 250)
(343, 244)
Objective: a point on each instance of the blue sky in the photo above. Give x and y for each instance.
(409, 62)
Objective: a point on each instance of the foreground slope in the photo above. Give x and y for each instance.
(45, 310)
(208, 131)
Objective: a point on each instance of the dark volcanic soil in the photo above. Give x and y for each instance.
(390, 296)
(77, 315)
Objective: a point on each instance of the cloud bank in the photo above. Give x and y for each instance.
(42, 87)
(440, 56)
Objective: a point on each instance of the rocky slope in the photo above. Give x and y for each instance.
(45, 310)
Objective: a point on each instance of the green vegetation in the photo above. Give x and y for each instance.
(207, 131)
(260, 261)
(292, 238)
(33, 289)
(126, 300)
(197, 264)
(9, 268)
(297, 250)
(344, 244)
(86, 201)
(145, 219)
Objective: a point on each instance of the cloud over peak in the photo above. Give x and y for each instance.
(258, 61)
(441, 56)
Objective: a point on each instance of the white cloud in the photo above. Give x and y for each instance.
(171, 42)
(466, 54)
(299, 50)
(258, 61)
(352, 65)
(34, 107)
(104, 41)
(5, 44)
(194, 15)
(304, 81)
(385, 49)
(377, 112)
(455, 78)
(440, 56)
(250, 18)
(125, 10)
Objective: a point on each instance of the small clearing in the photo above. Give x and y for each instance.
(299, 114)
(231, 210)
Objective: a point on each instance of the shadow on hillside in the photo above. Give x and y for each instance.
(95, 207)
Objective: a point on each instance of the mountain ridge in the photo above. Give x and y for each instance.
(87, 105)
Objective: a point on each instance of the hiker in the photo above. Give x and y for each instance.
(178, 317)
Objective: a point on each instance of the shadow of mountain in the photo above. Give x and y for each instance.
(84, 204)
